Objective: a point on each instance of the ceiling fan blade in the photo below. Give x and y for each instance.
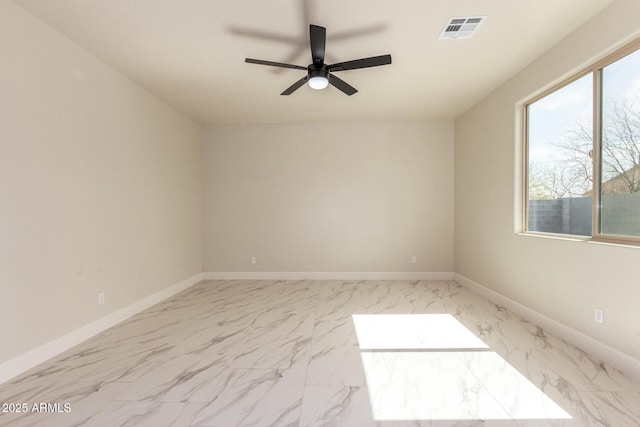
(373, 61)
(318, 40)
(274, 64)
(342, 85)
(295, 86)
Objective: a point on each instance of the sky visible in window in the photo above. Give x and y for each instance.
(553, 118)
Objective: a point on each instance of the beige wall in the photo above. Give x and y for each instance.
(329, 197)
(99, 188)
(564, 280)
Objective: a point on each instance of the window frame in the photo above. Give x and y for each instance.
(595, 69)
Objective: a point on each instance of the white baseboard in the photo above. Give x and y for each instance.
(325, 275)
(598, 349)
(28, 360)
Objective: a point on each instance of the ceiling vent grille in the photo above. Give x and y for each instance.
(461, 27)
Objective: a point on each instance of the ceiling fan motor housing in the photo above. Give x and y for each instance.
(318, 72)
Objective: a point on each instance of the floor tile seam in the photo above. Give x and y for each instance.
(160, 401)
(225, 369)
(270, 388)
(199, 359)
(344, 384)
(316, 337)
(487, 389)
(336, 388)
(313, 335)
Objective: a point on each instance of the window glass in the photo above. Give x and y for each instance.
(560, 168)
(620, 148)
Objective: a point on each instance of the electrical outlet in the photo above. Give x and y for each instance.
(598, 315)
(101, 298)
(414, 259)
(253, 260)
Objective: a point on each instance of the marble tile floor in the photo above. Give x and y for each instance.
(323, 353)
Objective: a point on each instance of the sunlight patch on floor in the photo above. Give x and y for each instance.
(413, 331)
(431, 367)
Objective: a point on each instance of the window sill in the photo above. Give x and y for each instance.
(585, 239)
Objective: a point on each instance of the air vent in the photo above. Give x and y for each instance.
(461, 28)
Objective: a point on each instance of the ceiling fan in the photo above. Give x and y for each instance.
(320, 75)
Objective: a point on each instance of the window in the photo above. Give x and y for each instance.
(582, 173)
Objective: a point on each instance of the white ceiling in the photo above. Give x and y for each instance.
(190, 53)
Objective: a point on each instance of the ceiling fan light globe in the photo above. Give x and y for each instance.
(318, 82)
